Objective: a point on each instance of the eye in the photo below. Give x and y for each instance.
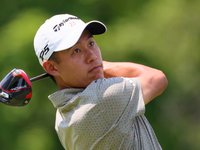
(76, 51)
(91, 43)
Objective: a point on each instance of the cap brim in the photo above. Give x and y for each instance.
(95, 28)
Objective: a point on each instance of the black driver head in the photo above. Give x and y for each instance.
(16, 88)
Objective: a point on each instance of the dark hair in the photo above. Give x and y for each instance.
(54, 57)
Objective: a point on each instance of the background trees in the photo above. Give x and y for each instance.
(161, 34)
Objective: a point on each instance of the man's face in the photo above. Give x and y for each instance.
(81, 64)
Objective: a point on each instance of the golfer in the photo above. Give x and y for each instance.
(100, 105)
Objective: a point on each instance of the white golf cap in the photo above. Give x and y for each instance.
(61, 32)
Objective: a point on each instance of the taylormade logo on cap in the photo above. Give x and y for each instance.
(61, 32)
(58, 26)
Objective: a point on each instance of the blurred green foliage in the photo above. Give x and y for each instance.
(161, 34)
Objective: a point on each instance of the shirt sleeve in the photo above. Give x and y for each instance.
(123, 95)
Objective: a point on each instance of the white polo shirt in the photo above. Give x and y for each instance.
(107, 115)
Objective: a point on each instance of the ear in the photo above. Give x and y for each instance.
(49, 67)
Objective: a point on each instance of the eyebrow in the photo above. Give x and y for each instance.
(90, 36)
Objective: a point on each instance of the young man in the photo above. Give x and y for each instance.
(100, 105)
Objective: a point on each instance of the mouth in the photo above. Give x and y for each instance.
(95, 68)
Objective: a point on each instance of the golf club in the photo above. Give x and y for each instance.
(16, 88)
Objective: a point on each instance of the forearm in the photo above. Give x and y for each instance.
(124, 69)
(153, 81)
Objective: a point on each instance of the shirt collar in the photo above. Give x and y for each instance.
(63, 96)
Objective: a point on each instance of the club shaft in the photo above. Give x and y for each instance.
(42, 76)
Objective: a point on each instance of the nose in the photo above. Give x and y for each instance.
(91, 56)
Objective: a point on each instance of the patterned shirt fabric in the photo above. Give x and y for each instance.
(107, 115)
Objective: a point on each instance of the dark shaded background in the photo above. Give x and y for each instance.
(161, 34)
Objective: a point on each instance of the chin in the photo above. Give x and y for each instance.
(100, 76)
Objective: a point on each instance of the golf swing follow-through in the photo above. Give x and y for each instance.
(16, 88)
(100, 104)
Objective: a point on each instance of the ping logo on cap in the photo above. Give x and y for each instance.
(58, 26)
(44, 52)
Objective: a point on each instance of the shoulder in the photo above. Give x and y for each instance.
(114, 85)
(116, 81)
